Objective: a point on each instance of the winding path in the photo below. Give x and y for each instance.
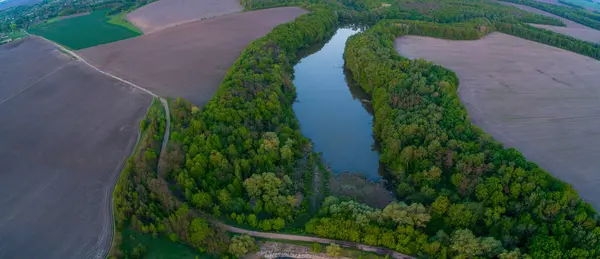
(103, 249)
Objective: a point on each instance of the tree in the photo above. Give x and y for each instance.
(139, 251)
(241, 245)
(464, 244)
(333, 250)
(413, 215)
(316, 248)
(198, 231)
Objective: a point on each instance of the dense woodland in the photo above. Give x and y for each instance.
(142, 200)
(236, 157)
(242, 158)
(479, 199)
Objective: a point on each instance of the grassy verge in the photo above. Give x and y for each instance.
(121, 20)
(120, 244)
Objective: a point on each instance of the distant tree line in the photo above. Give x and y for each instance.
(581, 16)
(447, 11)
(548, 37)
(26, 16)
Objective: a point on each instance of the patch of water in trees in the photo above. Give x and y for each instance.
(334, 113)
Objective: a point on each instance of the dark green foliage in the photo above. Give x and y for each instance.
(468, 180)
(242, 147)
(447, 11)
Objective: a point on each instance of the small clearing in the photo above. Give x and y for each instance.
(573, 29)
(360, 189)
(162, 14)
(66, 132)
(189, 60)
(539, 99)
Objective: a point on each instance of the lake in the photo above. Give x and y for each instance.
(332, 114)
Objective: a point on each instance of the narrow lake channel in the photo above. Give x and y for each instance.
(331, 111)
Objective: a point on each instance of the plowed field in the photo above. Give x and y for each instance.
(190, 60)
(66, 131)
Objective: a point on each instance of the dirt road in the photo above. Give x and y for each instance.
(101, 248)
(374, 249)
(66, 132)
(190, 60)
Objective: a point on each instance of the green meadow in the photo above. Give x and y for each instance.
(87, 31)
(158, 247)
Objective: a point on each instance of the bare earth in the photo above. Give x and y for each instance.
(167, 13)
(66, 132)
(542, 100)
(572, 29)
(190, 60)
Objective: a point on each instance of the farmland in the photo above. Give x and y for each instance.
(84, 31)
(66, 132)
(190, 60)
(538, 99)
(572, 28)
(166, 13)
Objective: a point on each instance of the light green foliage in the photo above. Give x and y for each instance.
(333, 250)
(414, 215)
(120, 19)
(465, 245)
(242, 245)
(199, 230)
(271, 192)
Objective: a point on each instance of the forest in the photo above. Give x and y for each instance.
(236, 157)
(143, 202)
(469, 197)
(241, 159)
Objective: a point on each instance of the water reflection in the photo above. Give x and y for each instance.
(333, 112)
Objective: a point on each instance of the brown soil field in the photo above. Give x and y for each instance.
(541, 100)
(66, 132)
(167, 13)
(190, 60)
(572, 29)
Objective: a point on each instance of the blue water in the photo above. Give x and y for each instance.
(331, 113)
